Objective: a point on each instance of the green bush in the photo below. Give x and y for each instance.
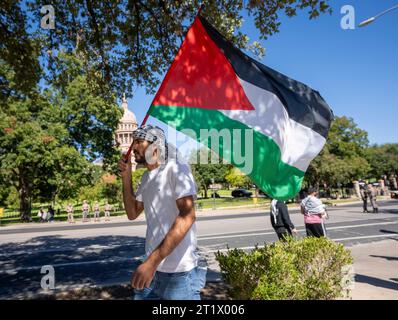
(306, 269)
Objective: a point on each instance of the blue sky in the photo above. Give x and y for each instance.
(356, 71)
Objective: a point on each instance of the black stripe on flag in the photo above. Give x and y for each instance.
(303, 104)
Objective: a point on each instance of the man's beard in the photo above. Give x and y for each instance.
(139, 158)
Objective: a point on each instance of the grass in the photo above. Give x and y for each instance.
(58, 217)
(11, 216)
(229, 202)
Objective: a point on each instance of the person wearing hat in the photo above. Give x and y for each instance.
(314, 212)
(171, 269)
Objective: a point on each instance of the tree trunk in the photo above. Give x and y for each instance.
(24, 193)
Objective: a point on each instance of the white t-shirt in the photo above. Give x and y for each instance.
(159, 190)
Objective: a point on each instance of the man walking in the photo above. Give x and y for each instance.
(167, 192)
(280, 220)
(314, 212)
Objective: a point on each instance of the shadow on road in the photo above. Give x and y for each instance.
(376, 282)
(78, 261)
(388, 231)
(394, 211)
(385, 257)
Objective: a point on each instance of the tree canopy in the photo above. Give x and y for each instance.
(125, 43)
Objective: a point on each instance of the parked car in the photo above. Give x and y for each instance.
(239, 193)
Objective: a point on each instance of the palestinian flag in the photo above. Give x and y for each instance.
(213, 85)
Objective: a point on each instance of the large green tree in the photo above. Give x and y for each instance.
(383, 159)
(48, 138)
(342, 160)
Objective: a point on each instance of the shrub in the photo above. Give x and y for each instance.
(310, 268)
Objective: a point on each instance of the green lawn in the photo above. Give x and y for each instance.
(226, 201)
(229, 202)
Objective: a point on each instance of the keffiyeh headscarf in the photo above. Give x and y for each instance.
(156, 135)
(150, 133)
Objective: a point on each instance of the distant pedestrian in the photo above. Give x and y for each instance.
(40, 214)
(85, 210)
(51, 214)
(107, 210)
(314, 212)
(372, 197)
(69, 211)
(364, 196)
(280, 220)
(96, 209)
(44, 216)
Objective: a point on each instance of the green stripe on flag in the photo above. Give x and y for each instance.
(276, 178)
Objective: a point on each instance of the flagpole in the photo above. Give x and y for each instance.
(127, 155)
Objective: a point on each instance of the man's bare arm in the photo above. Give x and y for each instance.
(132, 206)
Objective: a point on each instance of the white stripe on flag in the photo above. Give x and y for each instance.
(298, 144)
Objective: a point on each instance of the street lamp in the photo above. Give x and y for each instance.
(371, 19)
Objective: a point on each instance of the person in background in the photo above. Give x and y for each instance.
(40, 214)
(364, 196)
(372, 192)
(69, 211)
(45, 216)
(85, 209)
(280, 220)
(51, 214)
(107, 210)
(96, 209)
(314, 212)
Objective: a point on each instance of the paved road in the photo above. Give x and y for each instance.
(107, 253)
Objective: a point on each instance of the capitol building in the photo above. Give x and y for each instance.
(124, 132)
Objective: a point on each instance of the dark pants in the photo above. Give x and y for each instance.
(282, 233)
(365, 205)
(315, 230)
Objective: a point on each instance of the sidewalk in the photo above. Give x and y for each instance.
(376, 269)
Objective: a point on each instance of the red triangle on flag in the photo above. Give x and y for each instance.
(201, 77)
